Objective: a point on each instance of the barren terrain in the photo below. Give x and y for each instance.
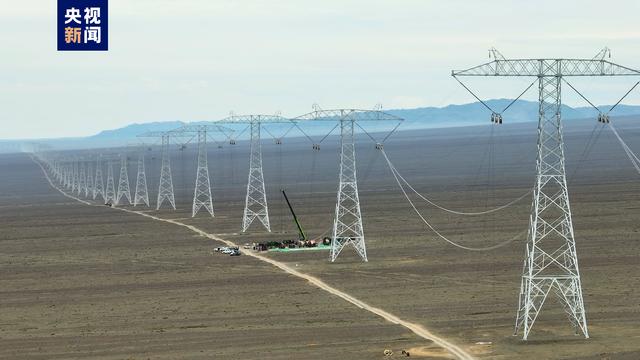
(84, 281)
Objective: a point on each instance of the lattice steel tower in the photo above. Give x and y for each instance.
(551, 262)
(141, 196)
(347, 225)
(110, 192)
(98, 185)
(202, 191)
(256, 199)
(123, 181)
(165, 189)
(82, 178)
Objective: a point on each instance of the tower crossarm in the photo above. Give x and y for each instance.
(191, 129)
(348, 114)
(248, 119)
(171, 136)
(548, 68)
(153, 134)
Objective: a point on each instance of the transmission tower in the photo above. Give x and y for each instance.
(165, 189)
(202, 191)
(98, 187)
(110, 193)
(256, 199)
(123, 182)
(255, 205)
(141, 196)
(551, 262)
(347, 227)
(347, 224)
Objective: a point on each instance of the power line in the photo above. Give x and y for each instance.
(396, 172)
(415, 209)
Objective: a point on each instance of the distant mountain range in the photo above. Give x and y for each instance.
(476, 114)
(420, 118)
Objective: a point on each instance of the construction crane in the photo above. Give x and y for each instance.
(301, 235)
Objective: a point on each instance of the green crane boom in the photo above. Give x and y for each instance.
(301, 235)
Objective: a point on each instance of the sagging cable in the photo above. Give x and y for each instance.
(415, 209)
(630, 154)
(396, 172)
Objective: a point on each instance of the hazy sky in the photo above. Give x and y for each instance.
(199, 59)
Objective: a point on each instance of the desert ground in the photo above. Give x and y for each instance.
(81, 281)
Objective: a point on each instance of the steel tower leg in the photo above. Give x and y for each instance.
(551, 264)
(256, 200)
(110, 193)
(141, 196)
(347, 225)
(202, 191)
(165, 189)
(123, 181)
(98, 188)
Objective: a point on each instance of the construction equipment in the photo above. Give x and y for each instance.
(301, 235)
